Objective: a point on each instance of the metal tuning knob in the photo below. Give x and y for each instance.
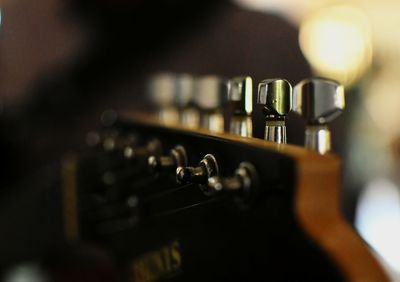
(211, 96)
(161, 91)
(242, 184)
(275, 95)
(176, 158)
(189, 115)
(152, 148)
(318, 101)
(240, 97)
(207, 168)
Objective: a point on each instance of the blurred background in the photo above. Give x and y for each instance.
(62, 62)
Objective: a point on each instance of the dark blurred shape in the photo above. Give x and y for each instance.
(127, 41)
(78, 263)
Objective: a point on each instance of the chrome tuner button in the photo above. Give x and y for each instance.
(275, 96)
(162, 93)
(207, 168)
(240, 97)
(318, 101)
(176, 158)
(189, 115)
(210, 97)
(242, 184)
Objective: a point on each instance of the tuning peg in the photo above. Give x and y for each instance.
(176, 158)
(161, 90)
(153, 147)
(210, 96)
(184, 99)
(319, 101)
(207, 168)
(108, 134)
(275, 95)
(240, 96)
(242, 183)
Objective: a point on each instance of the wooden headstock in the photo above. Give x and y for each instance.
(273, 216)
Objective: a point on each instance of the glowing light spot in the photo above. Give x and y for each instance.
(337, 43)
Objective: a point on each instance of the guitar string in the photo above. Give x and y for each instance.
(121, 224)
(181, 209)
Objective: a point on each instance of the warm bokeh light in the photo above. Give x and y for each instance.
(337, 43)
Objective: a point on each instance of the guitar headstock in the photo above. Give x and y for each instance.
(183, 201)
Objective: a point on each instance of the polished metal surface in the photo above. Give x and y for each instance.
(210, 97)
(243, 185)
(184, 89)
(190, 117)
(213, 121)
(153, 147)
(240, 97)
(318, 138)
(239, 182)
(210, 92)
(207, 168)
(161, 91)
(168, 115)
(275, 95)
(318, 100)
(177, 158)
(275, 131)
(173, 95)
(241, 125)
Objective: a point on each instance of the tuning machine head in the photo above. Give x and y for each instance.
(275, 96)
(318, 101)
(207, 167)
(211, 96)
(189, 115)
(134, 153)
(243, 184)
(240, 97)
(161, 91)
(177, 158)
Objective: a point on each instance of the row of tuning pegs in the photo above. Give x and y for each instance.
(242, 183)
(181, 98)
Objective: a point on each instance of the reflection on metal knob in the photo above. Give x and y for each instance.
(275, 96)
(242, 184)
(177, 158)
(319, 101)
(161, 91)
(153, 147)
(240, 96)
(210, 96)
(207, 168)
